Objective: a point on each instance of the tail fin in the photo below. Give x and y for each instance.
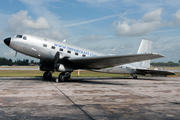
(145, 47)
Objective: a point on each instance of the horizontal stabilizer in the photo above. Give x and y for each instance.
(110, 61)
(154, 72)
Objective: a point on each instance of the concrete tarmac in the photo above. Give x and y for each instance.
(150, 98)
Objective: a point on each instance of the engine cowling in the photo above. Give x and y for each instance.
(59, 63)
(64, 68)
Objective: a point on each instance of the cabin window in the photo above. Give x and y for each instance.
(60, 49)
(24, 37)
(53, 47)
(18, 36)
(44, 45)
(83, 55)
(76, 53)
(68, 51)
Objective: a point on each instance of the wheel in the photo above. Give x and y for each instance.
(134, 76)
(69, 77)
(47, 75)
(64, 77)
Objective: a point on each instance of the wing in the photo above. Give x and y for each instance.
(110, 61)
(154, 72)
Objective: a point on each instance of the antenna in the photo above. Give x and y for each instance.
(64, 40)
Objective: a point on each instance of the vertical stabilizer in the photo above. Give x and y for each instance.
(145, 47)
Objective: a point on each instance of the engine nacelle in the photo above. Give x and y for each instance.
(64, 68)
(59, 63)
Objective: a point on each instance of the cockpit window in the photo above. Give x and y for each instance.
(24, 37)
(18, 36)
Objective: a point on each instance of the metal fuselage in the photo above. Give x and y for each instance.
(45, 49)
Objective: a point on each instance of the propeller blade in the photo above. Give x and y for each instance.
(16, 54)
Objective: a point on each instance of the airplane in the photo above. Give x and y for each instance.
(65, 58)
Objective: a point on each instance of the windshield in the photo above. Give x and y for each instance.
(18, 36)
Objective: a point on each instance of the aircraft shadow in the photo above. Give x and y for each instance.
(73, 80)
(96, 81)
(100, 81)
(120, 78)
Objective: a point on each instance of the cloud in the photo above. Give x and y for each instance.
(22, 23)
(10, 53)
(39, 8)
(54, 29)
(40, 23)
(170, 50)
(53, 34)
(90, 21)
(114, 48)
(21, 20)
(91, 38)
(3, 19)
(152, 16)
(131, 27)
(176, 19)
(177, 14)
(93, 1)
(1, 42)
(37, 2)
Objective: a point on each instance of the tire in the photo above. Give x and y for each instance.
(62, 77)
(47, 75)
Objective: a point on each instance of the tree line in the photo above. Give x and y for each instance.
(26, 62)
(10, 62)
(161, 64)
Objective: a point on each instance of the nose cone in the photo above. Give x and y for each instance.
(7, 41)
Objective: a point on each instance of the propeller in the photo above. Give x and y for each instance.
(58, 59)
(16, 54)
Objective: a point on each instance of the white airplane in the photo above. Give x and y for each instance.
(65, 58)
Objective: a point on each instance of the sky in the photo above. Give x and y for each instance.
(105, 26)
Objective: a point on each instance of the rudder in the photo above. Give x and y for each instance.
(145, 47)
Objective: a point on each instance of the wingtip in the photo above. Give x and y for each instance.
(158, 54)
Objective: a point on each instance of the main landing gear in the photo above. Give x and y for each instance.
(47, 75)
(134, 76)
(63, 77)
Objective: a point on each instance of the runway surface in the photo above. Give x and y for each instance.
(152, 98)
(19, 68)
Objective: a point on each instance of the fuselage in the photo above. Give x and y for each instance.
(45, 49)
(64, 58)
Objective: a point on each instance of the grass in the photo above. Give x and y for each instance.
(20, 73)
(96, 74)
(36, 73)
(19, 66)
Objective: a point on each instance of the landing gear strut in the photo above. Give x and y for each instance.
(47, 75)
(64, 77)
(134, 76)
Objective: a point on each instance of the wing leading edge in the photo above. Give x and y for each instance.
(100, 62)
